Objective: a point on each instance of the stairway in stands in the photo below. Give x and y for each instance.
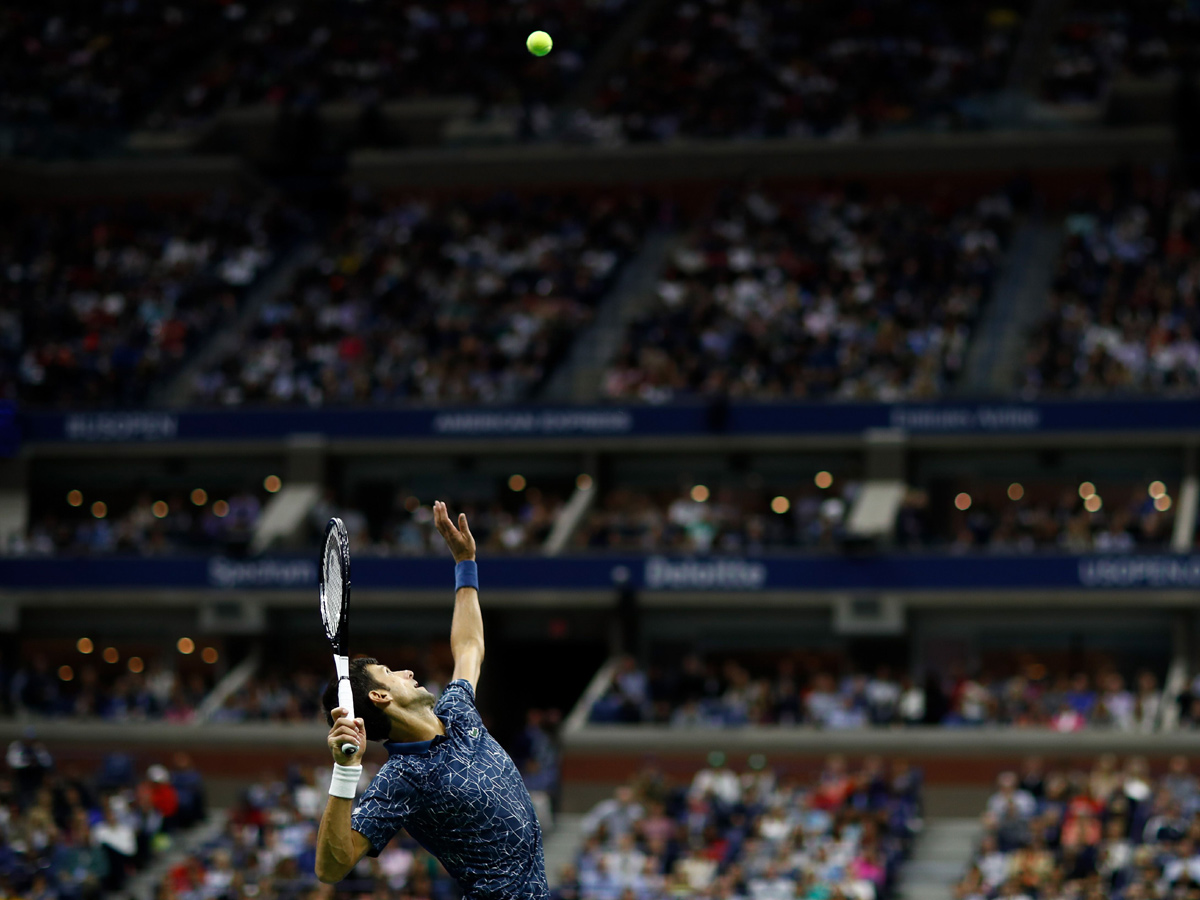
(1018, 301)
(939, 859)
(562, 844)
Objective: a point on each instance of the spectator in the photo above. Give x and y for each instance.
(109, 301)
(777, 69)
(491, 293)
(810, 266)
(1101, 849)
(304, 53)
(696, 693)
(1122, 314)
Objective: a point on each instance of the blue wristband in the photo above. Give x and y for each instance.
(466, 574)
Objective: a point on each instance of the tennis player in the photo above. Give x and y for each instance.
(446, 780)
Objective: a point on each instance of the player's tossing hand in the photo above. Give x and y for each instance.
(346, 731)
(460, 540)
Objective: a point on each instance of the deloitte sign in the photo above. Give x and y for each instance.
(704, 575)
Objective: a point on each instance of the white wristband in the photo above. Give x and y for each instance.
(344, 783)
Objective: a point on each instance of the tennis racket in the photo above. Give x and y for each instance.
(335, 610)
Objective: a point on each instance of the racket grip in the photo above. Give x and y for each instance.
(345, 697)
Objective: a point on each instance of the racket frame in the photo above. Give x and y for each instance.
(337, 633)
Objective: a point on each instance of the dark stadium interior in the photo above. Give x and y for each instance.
(821, 383)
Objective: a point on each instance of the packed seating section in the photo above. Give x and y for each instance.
(824, 690)
(1117, 832)
(1101, 41)
(464, 301)
(97, 684)
(69, 837)
(1124, 311)
(701, 69)
(837, 294)
(75, 75)
(756, 834)
(307, 52)
(145, 521)
(101, 303)
(747, 70)
(730, 513)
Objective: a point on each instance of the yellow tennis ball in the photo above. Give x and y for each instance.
(539, 43)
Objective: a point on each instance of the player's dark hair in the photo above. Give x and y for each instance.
(377, 723)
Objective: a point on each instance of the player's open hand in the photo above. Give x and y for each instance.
(346, 731)
(460, 540)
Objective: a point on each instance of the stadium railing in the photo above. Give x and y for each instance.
(1049, 156)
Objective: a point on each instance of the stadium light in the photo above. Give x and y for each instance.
(963, 501)
(84, 645)
(700, 493)
(823, 480)
(584, 482)
(1087, 489)
(1157, 489)
(781, 505)
(1016, 491)
(273, 483)
(199, 496)
(75, 498)
(185, 645)
(516, 483)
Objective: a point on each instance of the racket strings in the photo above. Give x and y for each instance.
(332, 597)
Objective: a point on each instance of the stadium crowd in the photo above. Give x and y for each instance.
(453, 302)
(37, 689)
(1116, 832)
(148, 527)
(1124, 308)
(1100, 41)
(710, 69)
(1124, 519)
(507, 522)
(307, 53)
(66, 837)
(698, 519)
(841, 834)
(825, 692)
(835, 295)
(101, 303)
(75, 75)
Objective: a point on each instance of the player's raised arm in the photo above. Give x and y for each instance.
(466, 630)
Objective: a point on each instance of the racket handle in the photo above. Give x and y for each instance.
(345, 697)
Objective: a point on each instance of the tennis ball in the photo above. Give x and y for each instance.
(539, 43)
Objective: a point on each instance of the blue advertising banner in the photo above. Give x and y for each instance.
(654, 573)
(10, 435)
(632, 421)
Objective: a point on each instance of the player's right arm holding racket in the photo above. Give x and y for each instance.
(340, 847)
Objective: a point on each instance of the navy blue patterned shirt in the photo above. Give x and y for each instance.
(461, 798)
